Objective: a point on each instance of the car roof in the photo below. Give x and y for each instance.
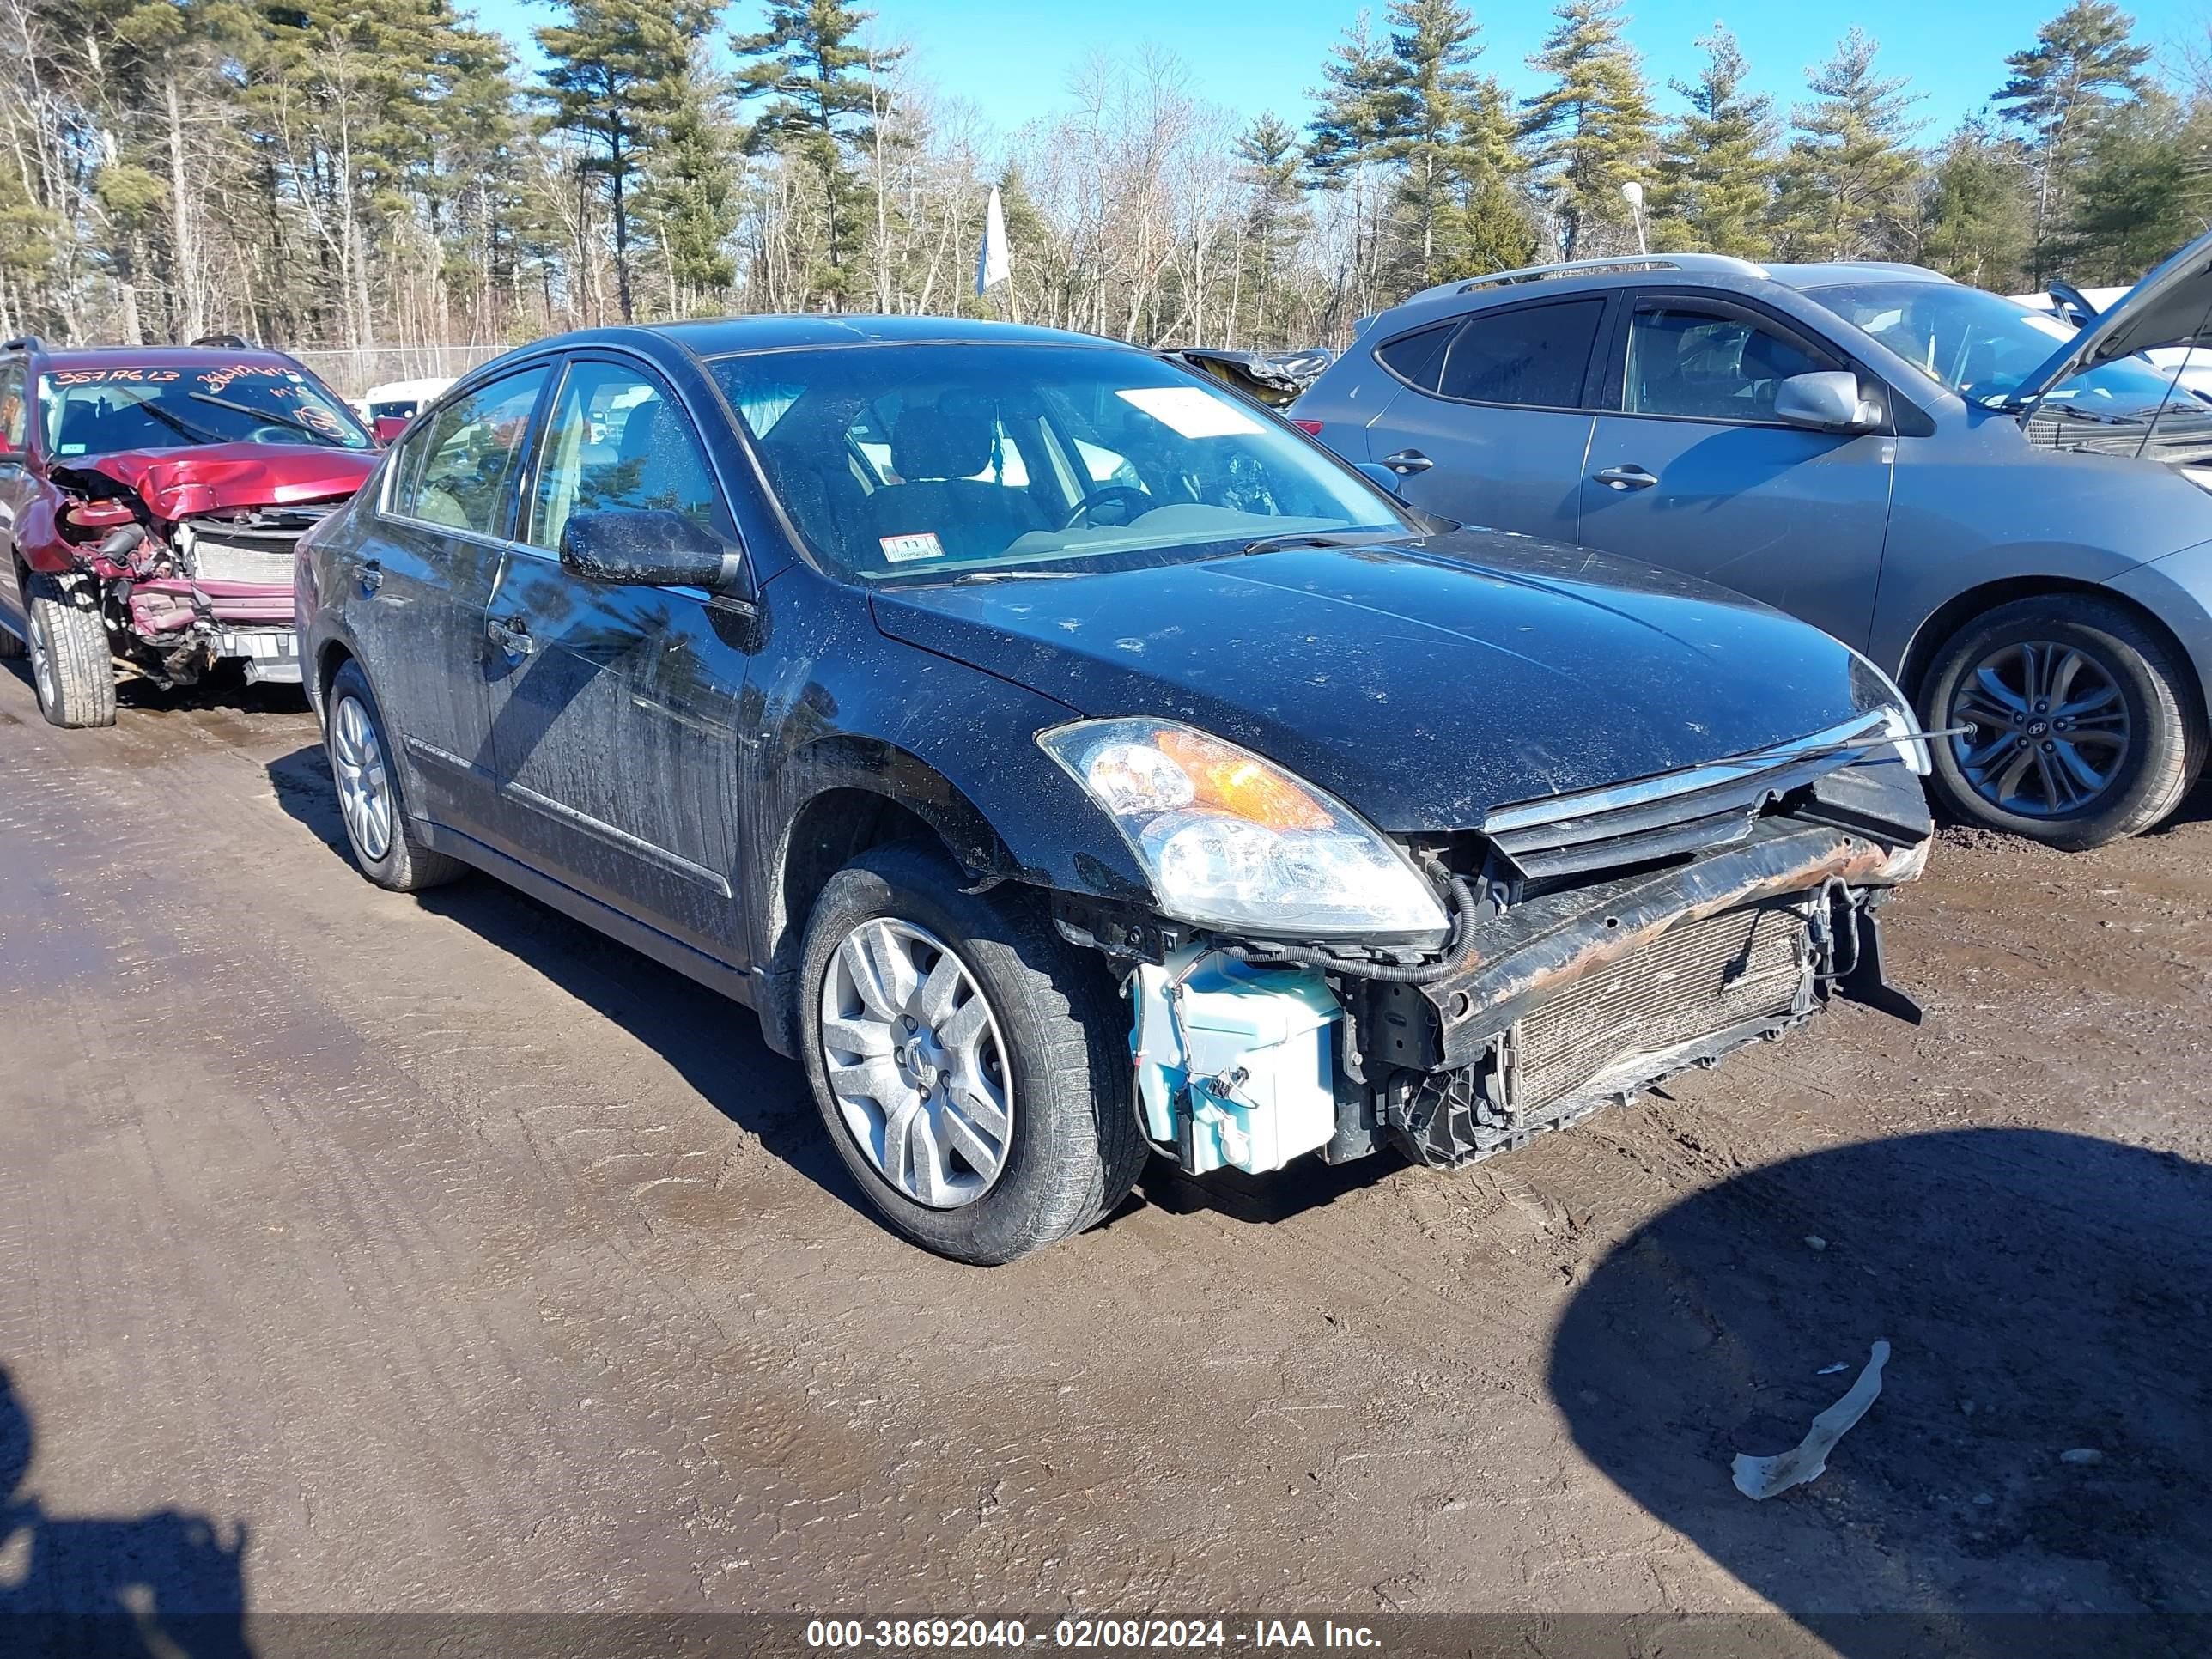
(64, 358)
(722, 336)
(1713, 271)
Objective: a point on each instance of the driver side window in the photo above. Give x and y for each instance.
(617, 440)
(1707, 365)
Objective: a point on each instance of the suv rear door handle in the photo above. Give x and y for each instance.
(511, 636)
(1408, 461)
(1631, 476)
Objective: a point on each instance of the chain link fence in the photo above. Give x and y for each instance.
(349, 372)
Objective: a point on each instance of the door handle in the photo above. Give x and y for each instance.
(1408, 460)
(510, 635)
(371, 577)
(1631, 476)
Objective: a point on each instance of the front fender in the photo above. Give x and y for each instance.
(2178, 590)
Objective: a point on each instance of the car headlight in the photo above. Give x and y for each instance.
(1232, 841)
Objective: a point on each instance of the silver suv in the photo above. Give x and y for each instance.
(2009, 515)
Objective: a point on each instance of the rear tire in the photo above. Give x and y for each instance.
(1069, 1150)
(72, 665)
(387, 846)
(2084, 725)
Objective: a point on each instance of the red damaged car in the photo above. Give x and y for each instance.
(150, 499)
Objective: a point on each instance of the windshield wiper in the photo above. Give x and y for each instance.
(268, 414)
(966, 577)
(196, 433)
(1327, 538)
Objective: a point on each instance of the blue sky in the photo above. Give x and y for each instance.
(1012, 60)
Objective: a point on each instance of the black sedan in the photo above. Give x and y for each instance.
(1070, 761)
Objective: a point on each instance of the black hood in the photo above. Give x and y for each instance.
(1423, 684)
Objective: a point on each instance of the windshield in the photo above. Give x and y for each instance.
(903, 460)
(99, 411)
(1986, 348)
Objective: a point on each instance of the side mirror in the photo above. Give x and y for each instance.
(385, 428)
(647, 548)
(1377, 473)
(1826, 400)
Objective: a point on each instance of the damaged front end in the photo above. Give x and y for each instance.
(1603, 942)
(191, 554)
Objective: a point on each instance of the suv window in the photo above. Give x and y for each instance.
(616, 440)
(454, 469)
(1713, 366)
(15, 427)
(1418, 358)
(1532, 354)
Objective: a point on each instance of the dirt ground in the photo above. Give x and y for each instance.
(363, 1253)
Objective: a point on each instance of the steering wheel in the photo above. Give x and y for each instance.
(274, 433)
(1133, 499)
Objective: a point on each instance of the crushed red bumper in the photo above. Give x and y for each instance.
(191, 549)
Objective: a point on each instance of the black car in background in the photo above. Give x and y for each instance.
(1067, 759)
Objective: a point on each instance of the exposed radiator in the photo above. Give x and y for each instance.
(255, 547)
(1695, 980)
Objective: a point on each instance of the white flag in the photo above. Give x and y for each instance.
(994, 261)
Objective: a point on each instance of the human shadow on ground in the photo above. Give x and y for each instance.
(2032, 1477)
(166, 1585)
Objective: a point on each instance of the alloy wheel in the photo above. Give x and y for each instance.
(364, 784)
(916, 1063)
(2050, 731)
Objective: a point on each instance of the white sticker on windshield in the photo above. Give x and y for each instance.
(1191, 412)
(904, 549)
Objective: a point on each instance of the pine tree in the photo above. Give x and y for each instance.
(690, 187)
(1847, 185)
(615, 77)
(1345, 146)
(2082, 63)
(1716, 163)
(2143, 192)
(1270, 163)
(1976, 222)
(824, 96)
(1591, 132)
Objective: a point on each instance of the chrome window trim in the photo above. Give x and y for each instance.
(1872, 725)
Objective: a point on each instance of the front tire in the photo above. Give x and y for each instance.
(386, 846)
(71, 666)
(970, 1065)
(2084, 729)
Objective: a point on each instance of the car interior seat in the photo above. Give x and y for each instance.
(937, 451)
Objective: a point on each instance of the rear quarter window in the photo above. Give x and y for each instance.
(1418, 358)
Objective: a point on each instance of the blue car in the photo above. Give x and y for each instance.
(2010, 516)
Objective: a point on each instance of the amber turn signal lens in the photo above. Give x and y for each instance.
(1241, 786)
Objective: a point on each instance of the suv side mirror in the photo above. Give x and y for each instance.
(647, 548)
(1826, 400)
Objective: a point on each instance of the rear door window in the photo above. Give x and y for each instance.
(1533, 357)
(457, 468)
(1708, 365)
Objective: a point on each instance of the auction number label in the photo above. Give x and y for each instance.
(906, 1633)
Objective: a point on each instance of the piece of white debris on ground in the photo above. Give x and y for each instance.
(1762, 1477)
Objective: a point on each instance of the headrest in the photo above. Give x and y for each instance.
(934, 442)
(647, 430)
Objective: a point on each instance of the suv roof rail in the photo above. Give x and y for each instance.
(23, 343)
(1727, 264)
(230, 342)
